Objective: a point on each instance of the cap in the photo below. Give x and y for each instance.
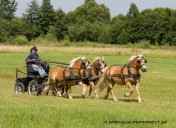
(34, 48)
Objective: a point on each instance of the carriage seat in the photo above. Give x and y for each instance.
(31, 71)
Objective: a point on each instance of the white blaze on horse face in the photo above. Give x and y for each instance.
(144, 67)
(102, 67)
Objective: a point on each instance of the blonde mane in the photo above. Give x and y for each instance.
(98, 58)
(72, 62)
(132, 57)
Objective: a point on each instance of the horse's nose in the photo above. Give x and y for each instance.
(144, 69)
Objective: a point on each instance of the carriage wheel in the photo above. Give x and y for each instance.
(33, 87)
(19, 88)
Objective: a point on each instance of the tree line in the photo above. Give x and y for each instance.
(89, 22)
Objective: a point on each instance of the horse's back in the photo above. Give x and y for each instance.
(56, 73)
(114, 69)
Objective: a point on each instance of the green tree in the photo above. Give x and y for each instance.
(31, 18)
(17, 27)
(46, 16)
(170, 37)
(156, 24)
(8, 9)
(4, 30)
(133, 23)
(32, 12)
(60, 25)
(86, 1)
(134, 29)
(119, 30)
(133, 11)
(86, 22)
(9, 30)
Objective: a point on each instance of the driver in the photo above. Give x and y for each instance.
(33, 58)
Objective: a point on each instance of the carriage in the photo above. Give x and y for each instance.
(31, 82)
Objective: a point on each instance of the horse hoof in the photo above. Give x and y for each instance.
(115, 100)
(126, 95)
(140, 101)
(70, 97)
(59, 95)
(105, 97)
(96, 97)
(83, 96)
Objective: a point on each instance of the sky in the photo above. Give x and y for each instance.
(116, 6)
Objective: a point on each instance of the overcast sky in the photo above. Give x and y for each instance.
(116, 6)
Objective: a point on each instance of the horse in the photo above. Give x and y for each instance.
(127, 74)
(91, 75)
(67, 76)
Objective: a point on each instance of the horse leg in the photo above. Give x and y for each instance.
(56, 91)
(47, 87)
(111, 91)
(62, 88)
(90, 90)
(138, 92)
(107, 93)
(68, 91)
(46, 90)
(92, 87)
(84, 89)
(131, 89)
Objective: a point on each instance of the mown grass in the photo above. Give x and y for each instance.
(157, 92)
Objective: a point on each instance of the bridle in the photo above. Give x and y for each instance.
(99, 63)
(140, 60)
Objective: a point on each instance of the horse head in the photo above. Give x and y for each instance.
(142, 62)
(80, 63)
(84, 63)
(99, 64)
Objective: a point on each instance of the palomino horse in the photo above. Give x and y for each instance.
(123, 75)
(91, 75)
(67, 76)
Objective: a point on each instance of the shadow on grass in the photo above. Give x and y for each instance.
(110, 99)
(128, 100)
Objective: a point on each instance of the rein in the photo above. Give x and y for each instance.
(55, 62)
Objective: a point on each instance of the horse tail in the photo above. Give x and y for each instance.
(102, 84)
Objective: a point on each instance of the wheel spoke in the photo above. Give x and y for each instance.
(19, 88)
(33, 87)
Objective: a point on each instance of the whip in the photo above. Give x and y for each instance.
(55, 62)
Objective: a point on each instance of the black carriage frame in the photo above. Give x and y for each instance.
(32, 83)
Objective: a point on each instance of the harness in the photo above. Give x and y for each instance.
(129, 75)
(90, 76)
(71, 76)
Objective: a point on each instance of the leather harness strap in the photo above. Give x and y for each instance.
(129, 75)
(71, 76)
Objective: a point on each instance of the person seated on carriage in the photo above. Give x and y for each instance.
(33, 59)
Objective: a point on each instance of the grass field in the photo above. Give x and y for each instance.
(158, 89)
